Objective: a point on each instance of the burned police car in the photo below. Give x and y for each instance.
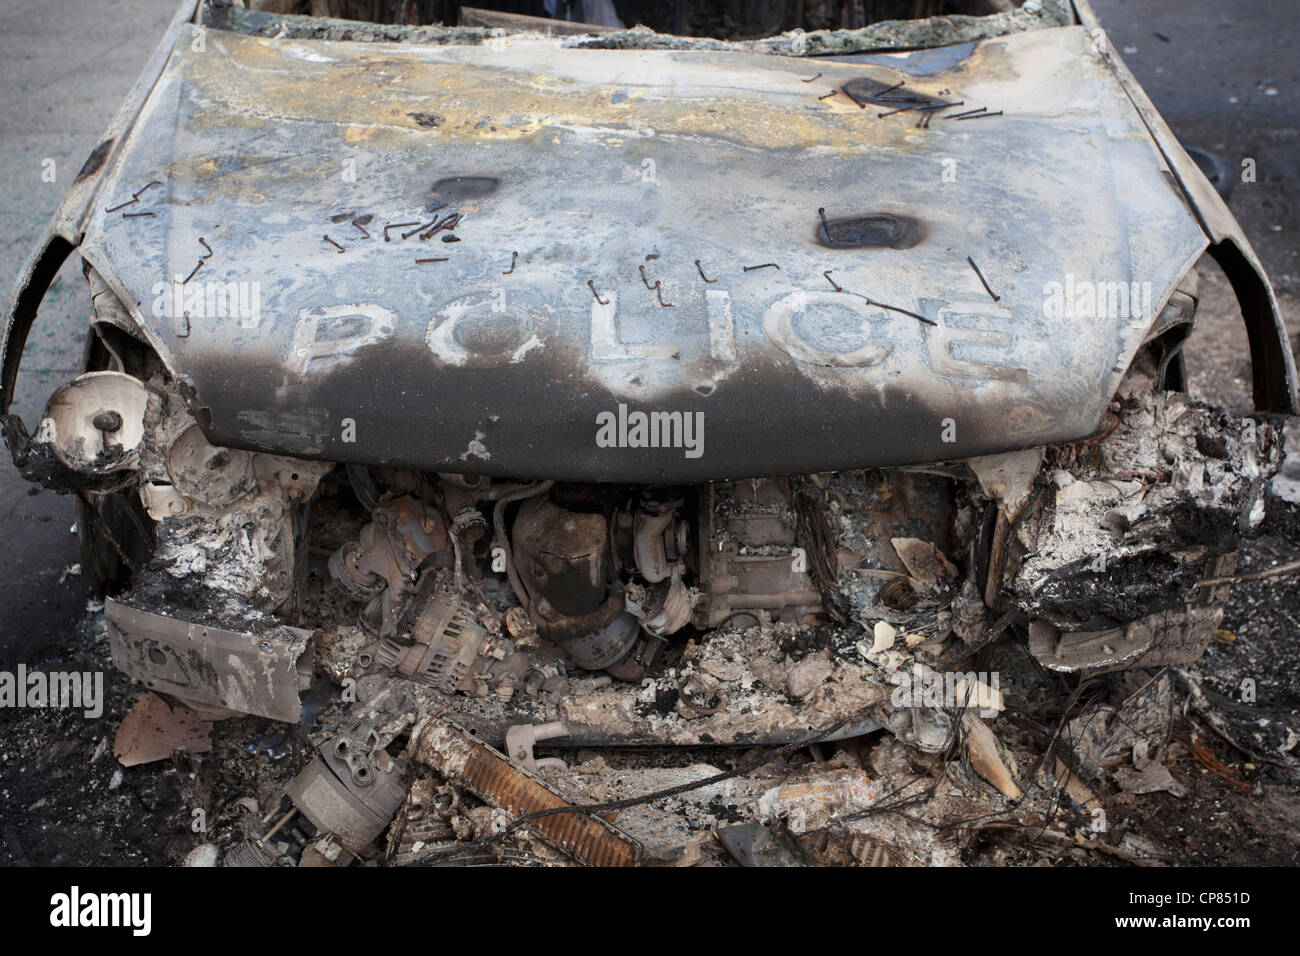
(613, 447)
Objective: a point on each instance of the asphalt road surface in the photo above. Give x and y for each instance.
(65, 67)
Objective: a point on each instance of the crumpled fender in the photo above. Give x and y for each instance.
(1272, 364)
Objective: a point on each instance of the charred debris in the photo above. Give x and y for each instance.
(885, 667)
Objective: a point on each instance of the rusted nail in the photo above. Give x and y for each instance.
(362, 228)
(659, 294)
(811, 78)
(644, 280)
(419, 228)
(135, 215)
(436, 259)
(901, 109)
(448, 222)
(334, 244)
(828, 95)
(827, 274)
(941, 106)
(983, 281)
(894, 308)
(821, 211)
(135, 197)
(891, 308)
(884, 94)
(204, 243)
(592, 286)
(187, 326)
(193, 273)
(514, 257)
(980, 115)
(765, 265)
(702, 275)
(396, 225)
(982, 109)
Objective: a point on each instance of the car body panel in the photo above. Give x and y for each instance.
(593, 163)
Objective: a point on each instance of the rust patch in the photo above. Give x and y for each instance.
(95, 161)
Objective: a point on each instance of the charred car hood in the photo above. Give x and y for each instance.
(586, 178)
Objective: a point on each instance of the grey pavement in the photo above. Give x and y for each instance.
(65, 67)
(1228, 80)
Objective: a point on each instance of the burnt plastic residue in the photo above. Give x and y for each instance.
(882, 230)
(865, 91)
(465, 187)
